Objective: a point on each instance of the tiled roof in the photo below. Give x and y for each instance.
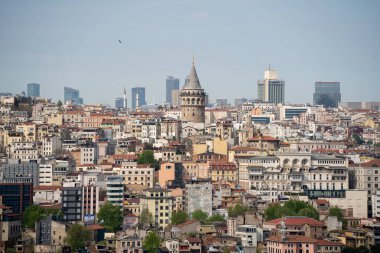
(263, 138)
(292, 238)
(296, 221)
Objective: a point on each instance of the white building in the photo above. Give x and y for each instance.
(248, 235)
(51, 145)
(46, 174)
(273, 176)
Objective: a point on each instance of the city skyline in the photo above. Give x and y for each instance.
(66, 51)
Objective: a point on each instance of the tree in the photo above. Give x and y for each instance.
(200, 216)
(237, 210)
(147, 157)
(35, 213)
(77, 236)
(59, 103)
(178, 217)
(215, 218)
(151, 242)
(110, 217)
(290, 208)
(337, 212)
(145, 219)
(309, 212)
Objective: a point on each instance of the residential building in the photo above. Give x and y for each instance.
(72, 202)
(115, 190)
(159, 202)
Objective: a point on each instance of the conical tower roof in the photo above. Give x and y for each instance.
(193, 83)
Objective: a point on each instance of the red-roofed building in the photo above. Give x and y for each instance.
(289, 244)
(298, 225)
(264, 143)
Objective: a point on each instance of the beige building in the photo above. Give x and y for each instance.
(136, 174)
(159, 202)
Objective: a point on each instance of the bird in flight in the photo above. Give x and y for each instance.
(120, 41)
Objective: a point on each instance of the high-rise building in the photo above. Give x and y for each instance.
(260, 90)
(271, 89)
(327, 94)
(119, 103)
(138, 97)
(176, 99)
(221, 102)
(72, 200)
(193, 101)
(171, 84)
(71, 94)
(33, 89)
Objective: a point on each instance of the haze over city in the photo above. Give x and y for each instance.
(76, 44)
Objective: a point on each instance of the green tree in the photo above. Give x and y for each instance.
(35, 213)
(200, 216)
(147, 157)
(237, 210)
(151, 242)
(309, 212)
(336, 211)
(110, 217)
(290, 208)
(215, 218)
(145, 219)
(178, 217)
(77, 236)
(59, 103)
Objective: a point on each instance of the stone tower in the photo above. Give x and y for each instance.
(193, 99)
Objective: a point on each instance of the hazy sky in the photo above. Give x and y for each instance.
(75, 44)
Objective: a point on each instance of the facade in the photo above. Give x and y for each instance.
(138, 97)
(115, 190)
(248, 234)
(288, 112)
(72, 197)
(260, 90)
(33, 89)
(49, 231)
(159, 202)
(314, 175)
(171, 84)
(327, 94)
(193, 101)
(18, 196)
(71, 94)
(198, 196)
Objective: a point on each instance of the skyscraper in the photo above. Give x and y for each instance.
(327, 94)
(119, 103)
(171, 84)
(33, 89)
(71, 94)
(138, 97)
(193, 101)
(271, 89)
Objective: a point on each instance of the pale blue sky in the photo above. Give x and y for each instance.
(75, 44)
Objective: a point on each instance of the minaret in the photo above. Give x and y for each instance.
(193, 100)
(137, 102)
(125, 98)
